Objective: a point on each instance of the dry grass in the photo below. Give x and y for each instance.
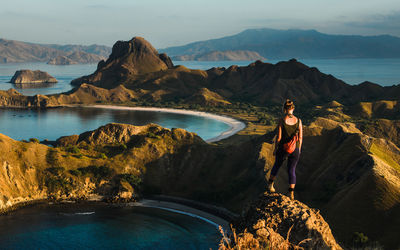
(247, 241)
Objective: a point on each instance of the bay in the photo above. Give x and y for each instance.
(53, 123)
(102, 226)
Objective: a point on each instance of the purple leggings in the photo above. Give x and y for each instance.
(293, 158)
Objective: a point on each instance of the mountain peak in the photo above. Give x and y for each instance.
(128, 58)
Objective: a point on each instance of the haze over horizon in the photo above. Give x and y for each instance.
(178, 22)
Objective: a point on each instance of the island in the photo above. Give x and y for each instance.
(349, 168)
(32, 77)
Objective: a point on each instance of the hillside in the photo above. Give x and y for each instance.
(304, 44)
(77, 57)
(140, 74)
(19, 52)
(344, 170)
(237, 55)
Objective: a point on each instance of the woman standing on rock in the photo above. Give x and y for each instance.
(287, 144)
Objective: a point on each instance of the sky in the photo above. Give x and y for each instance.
(167, 23)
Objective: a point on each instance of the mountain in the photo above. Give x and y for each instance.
(19, 52)
(128, 59)
(76, 57)
(344, 170)
(139, 73)
(237, 55)
(304, 44)
(100, 50)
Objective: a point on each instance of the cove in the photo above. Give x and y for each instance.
(53, 123)
(101, 226)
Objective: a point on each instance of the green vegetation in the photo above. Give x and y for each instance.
(73, 149)
(133, 180)
(55, 180)
(98, 172)
(51, 156)
(360, 239)
(34, 140)
(385, 156)
(58, 171)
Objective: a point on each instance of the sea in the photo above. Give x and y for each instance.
(108, 227)
(104, 226)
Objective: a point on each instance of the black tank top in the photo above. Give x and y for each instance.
(289, 131)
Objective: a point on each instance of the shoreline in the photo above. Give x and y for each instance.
(179, 208)
(234, 125)
(171, 204)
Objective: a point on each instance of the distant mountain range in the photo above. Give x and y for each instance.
(18, 52)
(301, 44)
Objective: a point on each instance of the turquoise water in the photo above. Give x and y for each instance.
(53, 123)
(385, 72)
(98, 226)
(63, 73)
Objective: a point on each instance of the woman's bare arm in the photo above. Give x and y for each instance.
(278, 137)
(300, 134)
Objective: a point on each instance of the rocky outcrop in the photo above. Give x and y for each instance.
(32, 77)
(76, 57)
(128, 59)
(275, 221)
(235, 55)
(349, 176)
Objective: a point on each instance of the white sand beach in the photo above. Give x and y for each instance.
(186, 210)
(235, 125)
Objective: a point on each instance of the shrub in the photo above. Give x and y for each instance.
(133, 180)
(55, 170)
(34, 140)
(75, 172)
(360, 239)
(51, 156)
(73, 149)
(103, 156)
(100, 172)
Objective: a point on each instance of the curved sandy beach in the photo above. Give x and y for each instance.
(186, 210)
(235, 125)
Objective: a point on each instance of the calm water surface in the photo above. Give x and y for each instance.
(385, 72)
(104, 227)
(53, 123)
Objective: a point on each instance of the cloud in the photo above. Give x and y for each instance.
(379, 24)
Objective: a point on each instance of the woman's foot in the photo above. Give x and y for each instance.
(271, 188)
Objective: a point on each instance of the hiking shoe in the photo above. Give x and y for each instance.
(271, 188)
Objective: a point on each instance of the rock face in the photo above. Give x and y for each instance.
(29, 76)
(128, 59)
(236, 55)
(273, 218)
(77, 57)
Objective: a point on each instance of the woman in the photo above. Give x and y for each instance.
(290, 130)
